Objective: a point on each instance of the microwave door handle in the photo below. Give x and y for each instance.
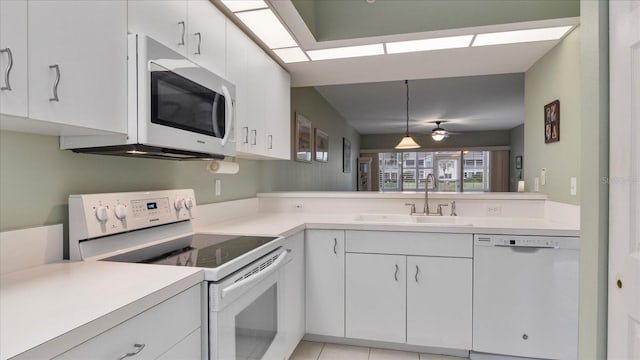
(228, 114)
(257, 276)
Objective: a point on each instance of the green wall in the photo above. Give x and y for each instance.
(471, 139)
(298, 176)
(517, 149)
(36, 177)
(594, 207)
(555, 76)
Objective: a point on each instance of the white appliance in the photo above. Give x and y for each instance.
(525, 297)
(177, 109)
(243, 274)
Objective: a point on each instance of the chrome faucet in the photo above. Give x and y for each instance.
(426, 192)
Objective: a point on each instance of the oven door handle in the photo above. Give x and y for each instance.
(257, 276)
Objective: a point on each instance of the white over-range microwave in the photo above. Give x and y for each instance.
(177, 109)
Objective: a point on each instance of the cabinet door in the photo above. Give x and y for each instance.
(293, 294)
(256, 101)
(78, 64)
(324, 274)
(376, 297)
(164, 21)
(236, 59)
(439, 301)
(278, 112)
(13, 57)
(206, 40)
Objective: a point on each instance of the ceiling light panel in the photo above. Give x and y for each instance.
(244, 5)
(346, 52)
(451, 42)
(291, 55)
(520, 36)
(268, 28)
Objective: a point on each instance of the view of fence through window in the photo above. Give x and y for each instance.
(454, 171)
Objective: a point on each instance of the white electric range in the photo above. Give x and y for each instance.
(242, 273)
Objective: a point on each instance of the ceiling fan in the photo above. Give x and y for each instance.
(438, 134)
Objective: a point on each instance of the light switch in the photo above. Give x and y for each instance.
(543, 176)
(574, 186)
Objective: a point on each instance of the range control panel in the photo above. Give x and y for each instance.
(96, 215)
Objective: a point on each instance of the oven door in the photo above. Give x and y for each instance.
(248, 320)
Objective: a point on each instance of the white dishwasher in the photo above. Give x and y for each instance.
(525, 297)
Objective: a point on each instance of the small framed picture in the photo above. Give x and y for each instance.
(303, 139)
(322, 146)
(552, 122)
(518, 162)
(346, 155)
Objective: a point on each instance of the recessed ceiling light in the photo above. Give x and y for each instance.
(450, 42)
(268, 28)
(291, 55)
(520, 36)
(244, 5)
(346, 52)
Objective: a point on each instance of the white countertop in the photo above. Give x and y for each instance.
(47, 309)
(285, 224)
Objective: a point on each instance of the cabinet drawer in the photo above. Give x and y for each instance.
(159, 329)
(410, 243)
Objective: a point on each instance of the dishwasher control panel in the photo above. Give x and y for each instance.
(551, 242)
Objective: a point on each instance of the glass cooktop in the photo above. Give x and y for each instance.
(204, 250)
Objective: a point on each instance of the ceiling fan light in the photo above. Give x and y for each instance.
(438, 135)
(407, 142)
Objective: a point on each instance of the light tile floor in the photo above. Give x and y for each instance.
(308, 350)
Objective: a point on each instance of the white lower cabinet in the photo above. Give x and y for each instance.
(169, 330)
(324, 274)
(376, 297)
(439, 301)
(413, 288)
(292, 306)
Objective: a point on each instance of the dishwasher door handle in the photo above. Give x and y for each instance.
(527, 247)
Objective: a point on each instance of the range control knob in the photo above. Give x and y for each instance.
(102, 214)
(188, 203)
(178, 204)
(121, 211)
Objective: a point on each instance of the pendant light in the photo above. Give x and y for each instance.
(407, 141)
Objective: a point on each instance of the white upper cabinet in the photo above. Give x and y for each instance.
(206, 40)
(78, 65)
(13, 58)
(164, 21)
(263, 99)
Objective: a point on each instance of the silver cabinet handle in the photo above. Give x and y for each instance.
(184, 29)
(270, 137)
(335, 246)
(254, 135)
(138, 348)
(417, 271)
(55, 84)
(396, 274)
(8, 71)
(245, 131)
(199, 43)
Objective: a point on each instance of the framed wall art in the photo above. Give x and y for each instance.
(346, 155)
(321, 146)
(552, 122)
(303, 143)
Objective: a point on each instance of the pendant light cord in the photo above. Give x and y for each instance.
(406, 83)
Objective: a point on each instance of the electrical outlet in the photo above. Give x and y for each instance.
(573, 185)
(218, 187)
(543, 176)
(494, 209)
(536, 184)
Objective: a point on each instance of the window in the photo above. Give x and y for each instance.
(454, 171)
